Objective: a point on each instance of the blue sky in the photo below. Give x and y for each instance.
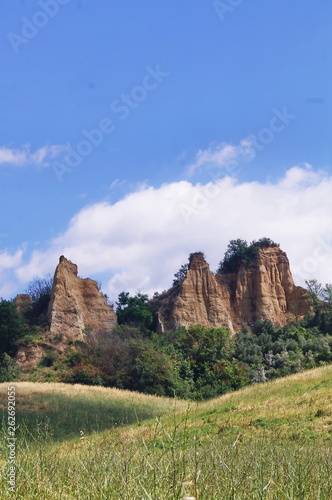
(133, 133)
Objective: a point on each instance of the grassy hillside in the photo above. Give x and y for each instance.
(294, 406)
(269, 441)
(62, 411)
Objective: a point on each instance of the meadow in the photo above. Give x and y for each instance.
(267, 441)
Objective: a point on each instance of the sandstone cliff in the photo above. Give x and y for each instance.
(76, 307)
(265, 291)
(23, 303)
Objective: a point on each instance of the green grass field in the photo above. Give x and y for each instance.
(269, 441)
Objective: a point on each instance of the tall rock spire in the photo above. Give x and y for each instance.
(77, 307)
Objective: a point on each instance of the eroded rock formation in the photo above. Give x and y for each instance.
(23, 303)
(77, 308)
(29, 356)
(265, 291)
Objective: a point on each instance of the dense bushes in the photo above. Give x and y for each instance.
(196, 363)
(16, 328)
(205, 361)
(127, 359)
(281, 351)
(8, 369)
(199, 363)
(12, 328)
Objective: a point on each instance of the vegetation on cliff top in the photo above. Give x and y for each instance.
(239, 252)
(180, 276)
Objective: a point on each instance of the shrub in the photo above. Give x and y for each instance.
(83, 374)
(8, 369)
(48, 359)
(74, 358)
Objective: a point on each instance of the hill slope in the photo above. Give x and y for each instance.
(269, 441)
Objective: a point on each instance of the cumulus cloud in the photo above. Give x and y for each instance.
(24, 155)
(139, 242)
(8, 262)
(302, 176)
(223, 155)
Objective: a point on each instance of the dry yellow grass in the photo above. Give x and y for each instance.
(28, 388)
(25, 391)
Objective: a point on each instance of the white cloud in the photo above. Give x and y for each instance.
(141, 241)
(9, 262)
(223, 155)
(24, 156)
(302, 176)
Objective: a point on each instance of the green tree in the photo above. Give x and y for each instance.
(134, 311)
(235, 255)
(12, 328)
(327, 291)
(321, 298)
(315, 288)
(152, 370)
(180, 276)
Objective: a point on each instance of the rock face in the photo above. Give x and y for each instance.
(28, 356)
(23, 303)
(265, 291)
(76, 307)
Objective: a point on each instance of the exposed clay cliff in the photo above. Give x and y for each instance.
(76, 306)
(199, 300)
(264, 291)
(29, 356)
(23, 303)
